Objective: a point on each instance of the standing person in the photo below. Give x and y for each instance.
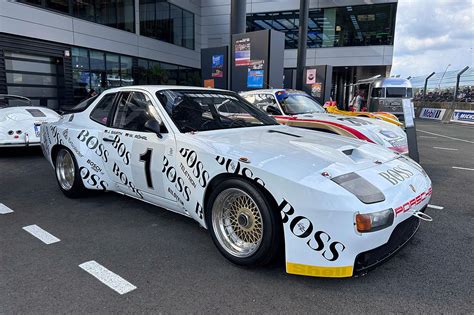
(359, 101)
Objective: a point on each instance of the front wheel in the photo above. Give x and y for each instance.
(243, 226)
(68, 175)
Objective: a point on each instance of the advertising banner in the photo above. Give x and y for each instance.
(209, 83)
(464, 116)
(217, 66)
(242, 52)
(316, 89)
(255, 79)
(432, 113)
(310, 76)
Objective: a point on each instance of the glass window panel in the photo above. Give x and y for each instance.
(113, 70)
(101, 111)
(29, 91)
(97, 74)
(106, 12)
(126, 15)
(162, 25)
(156, 73)
(170, 73)
(58, 5)
(80, 59)
(147, 18)
(84, 9)
(21, 78)
(97, 59)
(188, 29)
(126, 70)
(176, 25)
(29, 66)
(133, 112)
(142, 72)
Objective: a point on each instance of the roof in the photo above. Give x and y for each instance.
(155, 88)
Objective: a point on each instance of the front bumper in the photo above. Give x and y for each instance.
(400, 236)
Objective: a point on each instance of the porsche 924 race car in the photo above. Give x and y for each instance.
(337, 205)
(20, 121)
(298, 109)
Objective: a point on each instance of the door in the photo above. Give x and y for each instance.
(140, 155)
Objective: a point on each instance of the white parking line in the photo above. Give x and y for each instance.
(441, 148)
(107, 277)
(463, 168)
(435, 207)
(4, 209)
(452, 138)
(41, 234)
(429, 137)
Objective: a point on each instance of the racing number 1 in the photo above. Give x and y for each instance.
(146, 157)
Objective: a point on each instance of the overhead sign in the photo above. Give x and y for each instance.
(432, 113)
(464, 116)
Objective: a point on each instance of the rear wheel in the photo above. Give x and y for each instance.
(68, 175)
(242, 224)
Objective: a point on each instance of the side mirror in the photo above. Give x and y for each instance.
(154, 126)
(272, 110)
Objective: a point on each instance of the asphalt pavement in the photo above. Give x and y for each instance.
(164, 262)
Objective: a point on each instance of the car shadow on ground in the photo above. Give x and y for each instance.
(21, 151)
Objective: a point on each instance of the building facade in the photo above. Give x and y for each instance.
(57, 52)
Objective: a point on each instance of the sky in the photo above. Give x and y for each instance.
(430, 34)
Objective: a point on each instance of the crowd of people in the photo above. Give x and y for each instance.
(465, 94)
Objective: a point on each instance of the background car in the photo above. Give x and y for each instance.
(388, 117)
(298, 109)
(20, 122)
(257, 186)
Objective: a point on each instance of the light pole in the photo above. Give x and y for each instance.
(439, 82)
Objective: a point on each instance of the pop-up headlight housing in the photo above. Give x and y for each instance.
(359, 187)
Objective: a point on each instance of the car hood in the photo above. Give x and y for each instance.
(34, 113)
(282, 149)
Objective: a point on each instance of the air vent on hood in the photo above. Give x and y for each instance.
(35, 112)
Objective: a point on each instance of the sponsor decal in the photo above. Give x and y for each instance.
(94, 166)
(172, 176)
(196, 166)
(301, 227)
(175, 196)
(93, 144)
(56, 135)
(121, 148)
(199, 210)
(125, 181)
(396, 175)
(413, 202)
(465, 116)
(92, 179)
(318, 271)
(232, 166)
(432, 113)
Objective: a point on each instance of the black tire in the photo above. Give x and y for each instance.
(271, 235)
(76, 188)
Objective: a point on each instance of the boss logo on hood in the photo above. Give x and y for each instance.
(396, 175)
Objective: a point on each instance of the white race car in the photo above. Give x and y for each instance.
(298, 109)
(338, 205)
(20, 121)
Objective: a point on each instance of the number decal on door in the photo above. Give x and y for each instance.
(146, 157)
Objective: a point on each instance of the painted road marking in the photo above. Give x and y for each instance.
(435, 207)
(4, 209)
(452, 138)
(107, 277)
(441, 148)
(41, 234)
(463, 168)
(429, 137)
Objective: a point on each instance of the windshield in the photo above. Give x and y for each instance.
(201, 110)
(295, 104)
(13, 101)
(396, 92)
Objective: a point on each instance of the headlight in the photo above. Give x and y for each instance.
(361, 188)
(374, 221)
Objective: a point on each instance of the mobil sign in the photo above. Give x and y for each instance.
(464, 116)
(432, 113)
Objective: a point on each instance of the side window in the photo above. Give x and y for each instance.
(133, 111)
(101, 111)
